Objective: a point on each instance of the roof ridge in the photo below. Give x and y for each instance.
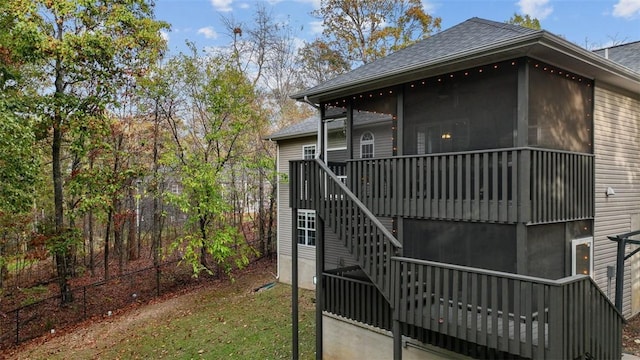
(502, 25)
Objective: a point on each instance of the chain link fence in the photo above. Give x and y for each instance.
(98, 299)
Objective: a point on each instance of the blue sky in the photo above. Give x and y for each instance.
(592, 23)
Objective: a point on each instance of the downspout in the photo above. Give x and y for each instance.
(318, 137)
(319, 242)
(278, 214)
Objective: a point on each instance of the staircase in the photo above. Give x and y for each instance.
(505, 315)
(314, 186)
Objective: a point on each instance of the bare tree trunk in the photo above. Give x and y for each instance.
(131, 218)
(261, 222)
(106, 244)
(118, 239)
(92, 266)
(202, 222)
(56, 164)
(270, 227)
(155, 190)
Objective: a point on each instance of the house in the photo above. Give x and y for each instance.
(455, 198)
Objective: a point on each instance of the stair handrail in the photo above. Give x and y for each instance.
(397, 245)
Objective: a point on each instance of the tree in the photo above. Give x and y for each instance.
(85, 50)
(525, 21)
(209, 133)
(320, 63)
(264, 50)
(364, 30)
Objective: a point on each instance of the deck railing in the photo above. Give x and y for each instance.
(314, 186)
(355, 299)
(528, 317)
(506, 185)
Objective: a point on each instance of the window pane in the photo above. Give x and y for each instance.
(311, 238)
(311, 221)
(308, 152)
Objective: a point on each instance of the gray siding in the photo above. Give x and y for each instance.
(617, 150)
(289, 150)
(382, 140)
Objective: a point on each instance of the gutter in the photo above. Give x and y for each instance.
(515, 47)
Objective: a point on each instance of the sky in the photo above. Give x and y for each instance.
(588, 23)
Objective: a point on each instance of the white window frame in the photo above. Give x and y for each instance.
(305, 155)
(308, 226)
(364, 142)
(574, 244)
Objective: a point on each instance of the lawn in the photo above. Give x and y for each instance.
(226, 320)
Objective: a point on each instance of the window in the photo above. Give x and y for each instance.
(308, 152)
(307, 227)
(366, 145)
(175, 188)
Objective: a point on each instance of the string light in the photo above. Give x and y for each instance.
(468, 72)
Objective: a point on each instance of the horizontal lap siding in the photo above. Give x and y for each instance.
(382, 139)
(617, 150)
(289, 150)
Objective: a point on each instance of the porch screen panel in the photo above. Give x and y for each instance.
(481, 245)
(473, 109)
(560, 109)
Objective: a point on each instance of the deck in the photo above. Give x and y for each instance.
(516, 315)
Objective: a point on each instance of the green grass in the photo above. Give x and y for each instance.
(228, 323)
(252, 326)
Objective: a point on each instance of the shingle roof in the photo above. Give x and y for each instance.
(625, 54)
(309, 126)
(474, 33)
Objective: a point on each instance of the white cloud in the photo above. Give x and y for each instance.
(626, 8)
(165, 36)
(538, 9)
(315, 27)
(244, 6)
(208, 32)
(429, 6)
(222, 5)
(315, 4)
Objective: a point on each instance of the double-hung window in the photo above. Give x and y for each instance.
(308, 152)
(307, 227)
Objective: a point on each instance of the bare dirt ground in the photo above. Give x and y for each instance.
(99, 333)
(631, 336)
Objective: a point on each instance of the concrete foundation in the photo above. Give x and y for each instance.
(346, 339)
(306, 272)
